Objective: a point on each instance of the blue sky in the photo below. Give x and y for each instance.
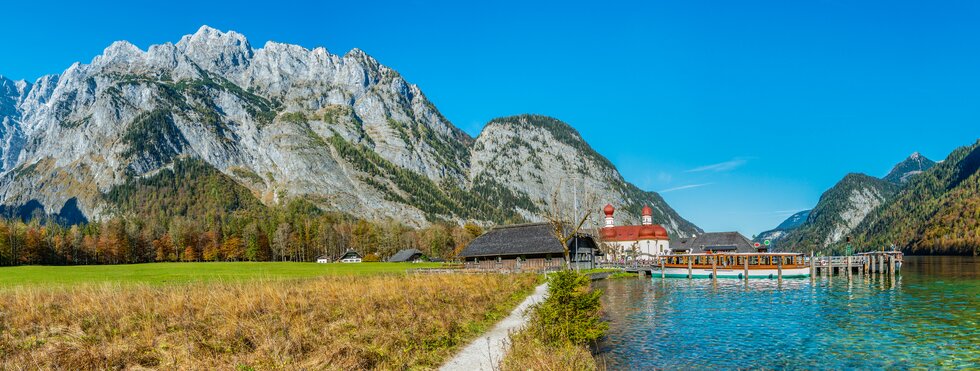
(740, 112)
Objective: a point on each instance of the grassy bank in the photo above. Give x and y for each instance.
(338, 322)
(167, 273)
(561, 329)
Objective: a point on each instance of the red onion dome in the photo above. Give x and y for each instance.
(647, 210)
(660, 232)
(608, 210)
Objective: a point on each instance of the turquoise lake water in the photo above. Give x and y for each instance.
(927, 316)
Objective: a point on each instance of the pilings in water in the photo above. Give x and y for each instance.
(779, 268)
(745, 268)
(867, 263)
(689, 267)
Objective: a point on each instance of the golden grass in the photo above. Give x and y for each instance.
(388, 322)
(529, 353)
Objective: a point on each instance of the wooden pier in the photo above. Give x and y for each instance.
(875, 262)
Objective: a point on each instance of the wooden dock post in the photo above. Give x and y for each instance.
(663, 274)
(813, 267)
(848, 267)
(714, 267)
(689, 263)
(745, 268)
(779, 268)
(891, 264)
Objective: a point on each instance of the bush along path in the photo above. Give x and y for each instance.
(487, 351)
(561, 328)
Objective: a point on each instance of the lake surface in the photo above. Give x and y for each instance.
(927, 316)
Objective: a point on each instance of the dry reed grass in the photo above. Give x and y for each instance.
(388, 322)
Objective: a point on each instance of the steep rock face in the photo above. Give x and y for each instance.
(840, 209)
(534, 155)
(909, 168)
(342, 132)
(262, 116)
(12, 94)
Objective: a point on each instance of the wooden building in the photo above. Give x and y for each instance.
(527, 247)
(408, 255)
(714, 242)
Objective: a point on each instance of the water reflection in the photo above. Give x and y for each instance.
(924, 317)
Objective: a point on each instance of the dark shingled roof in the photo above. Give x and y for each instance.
(520, 239)
(405, 255)
(350, 254)
(716, 241)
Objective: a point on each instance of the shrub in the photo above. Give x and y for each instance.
(371, 258)
(561, 328)
(572, 311)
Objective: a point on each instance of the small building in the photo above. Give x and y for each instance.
(713, 242)
(634, 242)
(325, 258)
(526, 247)
(350, 256)
(408, 255)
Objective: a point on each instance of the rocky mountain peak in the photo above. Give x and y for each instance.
(216, 51)
(915, 164)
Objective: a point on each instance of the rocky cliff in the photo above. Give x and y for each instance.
(343, 132)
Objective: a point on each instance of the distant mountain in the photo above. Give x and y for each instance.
(839, 211)
(776, 234)
(274, 125)
(914, 165)
(937, 212)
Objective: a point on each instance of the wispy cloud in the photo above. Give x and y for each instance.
(689, 186)
(721, 166)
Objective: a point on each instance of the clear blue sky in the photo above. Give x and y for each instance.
(784, 97)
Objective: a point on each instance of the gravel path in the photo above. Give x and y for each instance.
(486, 351)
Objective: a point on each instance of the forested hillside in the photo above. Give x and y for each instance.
(938, 212)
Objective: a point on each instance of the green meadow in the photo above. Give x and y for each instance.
(171, 273)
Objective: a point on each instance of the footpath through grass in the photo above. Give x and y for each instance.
(169, 273)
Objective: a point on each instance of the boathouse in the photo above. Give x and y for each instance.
(527, 247)
(408, 255)
(713, 242)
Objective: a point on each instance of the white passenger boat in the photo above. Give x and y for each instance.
(731, 265)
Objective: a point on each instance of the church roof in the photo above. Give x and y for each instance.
(634, 233)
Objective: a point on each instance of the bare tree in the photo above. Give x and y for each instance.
(567, 218)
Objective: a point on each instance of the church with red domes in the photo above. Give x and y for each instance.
(629, 242)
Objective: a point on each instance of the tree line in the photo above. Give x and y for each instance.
(124, 241)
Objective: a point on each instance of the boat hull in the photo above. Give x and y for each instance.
(730, 273)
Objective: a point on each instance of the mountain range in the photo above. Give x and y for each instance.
(282, 122)
(920, 206)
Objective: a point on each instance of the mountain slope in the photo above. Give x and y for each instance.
(937, 211)
(790, 224)
(839, 211)
(534, 155)
(909, 168)
(344, 133)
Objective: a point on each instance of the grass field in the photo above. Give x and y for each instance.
(353, 317)
(168, 273)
